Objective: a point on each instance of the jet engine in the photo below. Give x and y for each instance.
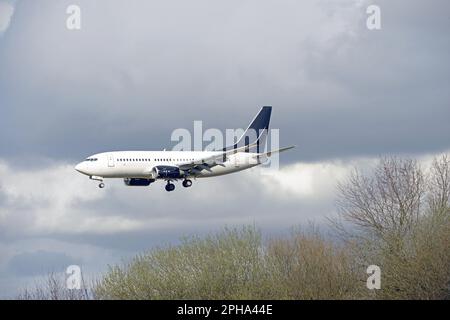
(137, 182)
(167, 172)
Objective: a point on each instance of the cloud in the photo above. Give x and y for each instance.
(58, 200)
(338, 89)
(39, 262)
(6, 13)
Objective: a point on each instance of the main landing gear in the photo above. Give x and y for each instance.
(101, 185)
(170, 186)
(187, 183)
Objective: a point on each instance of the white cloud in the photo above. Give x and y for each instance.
(6, 13)
(306, 180)
(59, 200)
(42, 202)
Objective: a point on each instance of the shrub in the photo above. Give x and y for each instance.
(235, 264)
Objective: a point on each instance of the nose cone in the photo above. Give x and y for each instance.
(81, 167)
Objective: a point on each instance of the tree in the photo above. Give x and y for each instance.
(399, 219)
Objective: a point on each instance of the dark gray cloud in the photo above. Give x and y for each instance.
(39, 263)
(3, 197)
(137, 71)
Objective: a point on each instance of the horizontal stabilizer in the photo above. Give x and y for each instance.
(268, 154)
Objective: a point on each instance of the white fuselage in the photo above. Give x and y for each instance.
(139, 164)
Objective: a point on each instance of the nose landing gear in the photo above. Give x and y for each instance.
(100, 179)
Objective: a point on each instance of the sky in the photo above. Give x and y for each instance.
(137, 70)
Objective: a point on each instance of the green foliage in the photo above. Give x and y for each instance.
(235, 264)
(307, 266)
(226, 265)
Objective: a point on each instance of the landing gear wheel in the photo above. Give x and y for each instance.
(101, 185)
(187, 183)
(170, 187)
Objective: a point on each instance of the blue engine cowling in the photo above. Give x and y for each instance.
(168, 172)
(137, 182)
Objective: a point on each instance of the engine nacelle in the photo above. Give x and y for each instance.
(138, 182)
(167, 172)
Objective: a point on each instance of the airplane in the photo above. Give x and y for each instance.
(142, 168)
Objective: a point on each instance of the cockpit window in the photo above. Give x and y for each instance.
(91, 159)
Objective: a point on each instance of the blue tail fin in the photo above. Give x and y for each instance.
(256, 132)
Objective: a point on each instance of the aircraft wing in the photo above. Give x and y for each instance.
(211, 161)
